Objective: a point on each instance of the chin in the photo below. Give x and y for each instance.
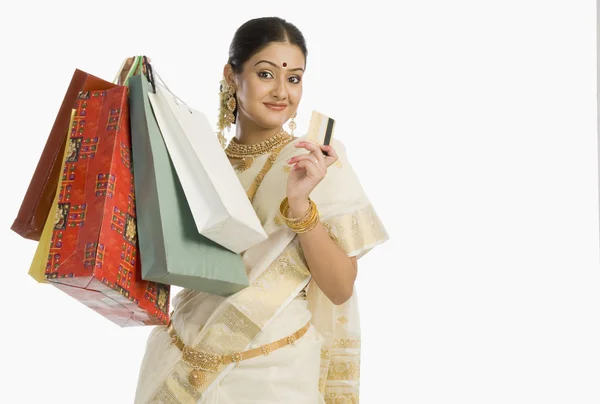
(267, 123)
(267, 119)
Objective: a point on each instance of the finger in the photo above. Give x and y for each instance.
(128, 64)
(311, 169)
(148, 60)
(311, 160)
(313, 148)
(332, 155)
(308, 146)
(308, 157)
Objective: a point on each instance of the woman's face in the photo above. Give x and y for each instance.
(269, 88)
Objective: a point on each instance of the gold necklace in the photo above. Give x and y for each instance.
(265, 169)
(248, 153)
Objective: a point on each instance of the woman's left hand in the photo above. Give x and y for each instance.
(308, 170)
(127, 66)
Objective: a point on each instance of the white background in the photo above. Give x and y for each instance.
(472, 126)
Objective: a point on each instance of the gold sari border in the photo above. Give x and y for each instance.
(346, 398)
(236, 326)
(344, 368)
(357, 232)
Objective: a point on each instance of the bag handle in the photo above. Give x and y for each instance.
(162, 84)
(134, 66)
(149, 73)
(152, 75)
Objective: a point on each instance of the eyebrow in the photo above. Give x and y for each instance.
(274, 65)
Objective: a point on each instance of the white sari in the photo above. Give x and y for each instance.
(323, 366)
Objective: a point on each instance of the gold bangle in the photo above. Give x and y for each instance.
(300, 225)
(309, 226)
(284, 210)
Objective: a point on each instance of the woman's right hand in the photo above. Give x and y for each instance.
(127, 66)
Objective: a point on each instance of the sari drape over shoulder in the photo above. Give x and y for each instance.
(324, 365)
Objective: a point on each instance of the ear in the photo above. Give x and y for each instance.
(228, 74)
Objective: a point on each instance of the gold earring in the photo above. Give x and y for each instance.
(293, 124)
(226, 108)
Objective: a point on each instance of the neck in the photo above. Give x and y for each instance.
(249, 133)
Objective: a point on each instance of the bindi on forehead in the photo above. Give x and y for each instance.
(284, 64)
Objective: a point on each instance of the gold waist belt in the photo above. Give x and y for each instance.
(202, 361)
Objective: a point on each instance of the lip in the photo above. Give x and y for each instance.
(275, 107)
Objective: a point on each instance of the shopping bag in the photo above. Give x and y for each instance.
(171, 249)
(220, 207)
(35, 207)
(37, 270)
(93, 254)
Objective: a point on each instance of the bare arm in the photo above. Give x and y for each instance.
(330, 266)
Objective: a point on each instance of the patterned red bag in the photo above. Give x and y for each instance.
(37, 202)
(94, 252)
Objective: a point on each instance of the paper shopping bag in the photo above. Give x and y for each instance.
(93, 254)
(219, 204)
(35, 207)
(37, 269)
(171, 249)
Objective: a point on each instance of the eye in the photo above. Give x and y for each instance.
(265, 75)
(295, 79)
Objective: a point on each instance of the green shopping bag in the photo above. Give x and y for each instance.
(171, 249)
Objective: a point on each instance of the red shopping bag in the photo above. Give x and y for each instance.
(93, 253)
(35, 207)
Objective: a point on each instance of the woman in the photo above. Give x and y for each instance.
(293, 335)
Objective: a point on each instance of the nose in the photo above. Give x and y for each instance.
(280, 90)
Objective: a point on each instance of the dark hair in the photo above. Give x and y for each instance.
(255, 35)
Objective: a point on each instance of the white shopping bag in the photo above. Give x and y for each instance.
(219, 204)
